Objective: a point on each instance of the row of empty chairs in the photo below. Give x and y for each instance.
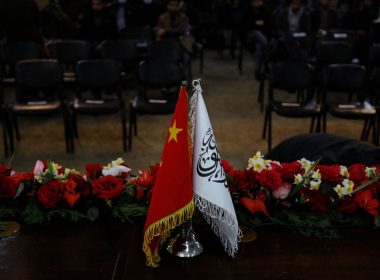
(300, 77)
(98, 83)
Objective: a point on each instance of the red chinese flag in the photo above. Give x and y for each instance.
(172, 198)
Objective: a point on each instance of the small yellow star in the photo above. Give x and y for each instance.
(174, 130)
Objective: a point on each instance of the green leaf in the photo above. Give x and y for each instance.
(93, 214)
(72, 215)
(33, 214)
(366, 184)
(9, 211)
(127, 212)
(296, 189)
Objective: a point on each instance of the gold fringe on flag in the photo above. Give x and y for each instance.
(163, 228)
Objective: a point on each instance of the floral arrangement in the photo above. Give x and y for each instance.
(308, 196)
(52, 191)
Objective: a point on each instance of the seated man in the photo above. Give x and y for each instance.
(323, 18)
(173, 23)
(330, 149)
(256, 29)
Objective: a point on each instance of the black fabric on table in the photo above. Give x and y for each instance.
(331, 149)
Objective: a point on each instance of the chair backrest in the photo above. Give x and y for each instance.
(38, 73)
(154, 73)
(17, 51)
(121, 50)
(139, 33)
(70, 51)
(340, 35)
(333, 52)
(97, 73)
(345, 78)
(374, 55)
(291, 76)
(169, 50)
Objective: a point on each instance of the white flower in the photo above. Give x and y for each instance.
(348, 187)
(115, 170)
(370, 172)
(339, 190)
(259, 165)
(344, 172)
(314, 185)
(306, 164)
(118, 161)
(297, 179)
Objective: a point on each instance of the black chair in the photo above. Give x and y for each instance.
(349, 79)
(296, 77)
(5, 123)
(333, 52)
(13, 52)
(125, 52)
(142, 35)
(340, 35)
(69, 52)
(39, 92)
(171, 51)
(154, 74)
(101, 78)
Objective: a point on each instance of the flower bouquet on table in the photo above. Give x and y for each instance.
(305, 195)
(53, 192)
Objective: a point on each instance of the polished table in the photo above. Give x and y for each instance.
(109, 251)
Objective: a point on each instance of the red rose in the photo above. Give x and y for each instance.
(93, 171)
(8, 187)
(357, 172)
(290, 169)
(145, 179)
(330, 173)
(365, 201)
(275, 166)
(21, 177)
(51, 193)
(253, 176)
(4, 170)
(347, 205)
(270, 179)
(107, 187)
(82, 186)
(254, 205)
(317, 201)
(154, 169)
(228, 168)
(139, 193)
(71, 195)
(241, 178)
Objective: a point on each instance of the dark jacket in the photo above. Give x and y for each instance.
(281, 23)
(260, 21)
(316, 19)
(19, 20)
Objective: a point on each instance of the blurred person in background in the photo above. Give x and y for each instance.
(173, 23)
(323, 18)
(361, 20)
(56, 24)
(20, 20)
(291, 18)
(98, 24)
(256, 31)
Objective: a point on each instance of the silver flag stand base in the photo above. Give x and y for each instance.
(185, 244)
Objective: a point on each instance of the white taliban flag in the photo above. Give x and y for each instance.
(211, 194)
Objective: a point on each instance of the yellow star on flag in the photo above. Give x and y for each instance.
(174, 130)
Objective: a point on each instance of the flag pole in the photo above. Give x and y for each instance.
(185, 244)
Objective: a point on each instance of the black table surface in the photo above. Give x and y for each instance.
(105, 251)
